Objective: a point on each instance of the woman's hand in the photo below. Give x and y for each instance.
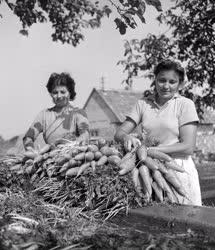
(123, 135)
(130, 142)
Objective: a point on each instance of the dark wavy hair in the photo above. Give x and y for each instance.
(63, 79)
(167, 64)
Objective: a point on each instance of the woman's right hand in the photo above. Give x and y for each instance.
(130, 142)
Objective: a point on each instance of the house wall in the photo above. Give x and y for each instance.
(102, 121)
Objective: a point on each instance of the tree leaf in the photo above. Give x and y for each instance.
(23, 32)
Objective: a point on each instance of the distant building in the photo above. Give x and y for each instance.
(106, 110)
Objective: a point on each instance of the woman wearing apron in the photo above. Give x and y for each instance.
(171, 120)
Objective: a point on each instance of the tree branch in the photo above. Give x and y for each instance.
(9, 4)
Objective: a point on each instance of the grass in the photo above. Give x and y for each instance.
(28, 223)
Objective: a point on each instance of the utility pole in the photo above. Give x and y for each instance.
(102, 83)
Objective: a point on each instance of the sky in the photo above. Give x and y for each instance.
(27, 62)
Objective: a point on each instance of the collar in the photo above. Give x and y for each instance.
(151, 96)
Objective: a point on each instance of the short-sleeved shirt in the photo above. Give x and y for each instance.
(162, 123)
(72, 122)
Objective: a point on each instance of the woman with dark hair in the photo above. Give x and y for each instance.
(171, 120)
(62, 120)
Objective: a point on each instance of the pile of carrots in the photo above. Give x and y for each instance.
(69, 160)
(154, 174)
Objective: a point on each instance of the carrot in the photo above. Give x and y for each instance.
(114, 159)
(158, 191)
(102, 161)
(61, 160)
(30, 155)
(142, 153)
(64, 167)
(109, 151)
(101, 142)
(93, 165)
(154, 153)
(80, 156)
(150, 163)
(89, 156)
(174, 181)
(97, 155)
(171, 196)
(82, 168)
(169, 193)
(82, 148)
(45, 149)
(92, 148)
(175, 193)
(136, 181)
(67, 156)
(173, 165)
(161, 166)
(127, 163)
(171, 178)
(157, 176)
(74, 163)
(147, 181)
(69, 164)
(72, 172)
(74, 152)
(38, 159)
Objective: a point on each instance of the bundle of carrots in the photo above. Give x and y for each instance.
(153, 174)
(69, 160)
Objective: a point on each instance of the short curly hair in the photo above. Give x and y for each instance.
(167, 64)
(62, 79)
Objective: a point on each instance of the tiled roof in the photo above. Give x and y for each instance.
(120, 101)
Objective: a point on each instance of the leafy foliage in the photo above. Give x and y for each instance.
(142, 55)
(192, 41)
(70, 17)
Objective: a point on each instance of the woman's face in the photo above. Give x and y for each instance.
(60, 96)
(167, 84)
